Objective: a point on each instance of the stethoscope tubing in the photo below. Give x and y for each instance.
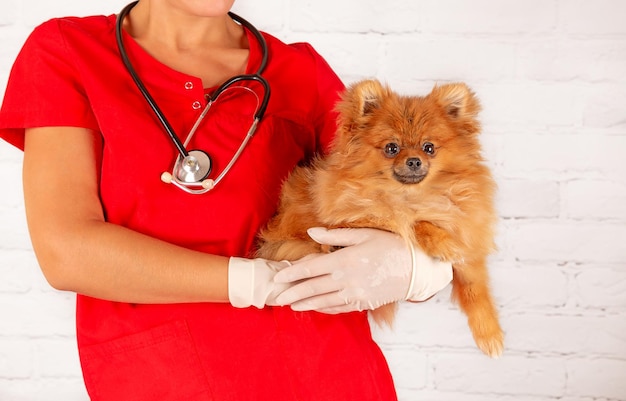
(142, 88)
(247, 77)
(180, 147)
(226, 169)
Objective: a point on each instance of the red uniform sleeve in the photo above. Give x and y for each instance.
(44, 87)
(329, 88)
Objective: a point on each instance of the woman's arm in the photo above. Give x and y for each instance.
(78, 251)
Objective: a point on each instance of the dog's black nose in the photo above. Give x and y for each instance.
(413, 163)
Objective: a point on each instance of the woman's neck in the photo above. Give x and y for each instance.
(211, 47)
(179, 30)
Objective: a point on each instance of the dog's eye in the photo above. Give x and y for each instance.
(428, 148)
(392, 149)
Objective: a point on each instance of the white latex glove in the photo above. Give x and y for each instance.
(375, 268)
(250, 282)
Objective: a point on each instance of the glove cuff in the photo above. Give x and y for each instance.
(250, 281)
(428, 276)
(409, 292)
(241, 282)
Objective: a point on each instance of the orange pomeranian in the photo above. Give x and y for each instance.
(410, 165)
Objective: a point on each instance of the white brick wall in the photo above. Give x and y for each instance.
(551, 76)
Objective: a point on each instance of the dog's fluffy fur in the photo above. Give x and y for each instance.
(410, 165)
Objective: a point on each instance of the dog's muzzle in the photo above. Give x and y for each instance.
(412, 171)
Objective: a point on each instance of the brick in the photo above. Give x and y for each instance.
(429, 326)
(569, 242)
(576, 155)
(12, 38)
(40, 11)
(465, 59)
(587, 199)
(460, 395)
(596, 378)
(8, 12)
(603, 335)
(409, 366)
(527, 376)
(37, 314)
(313, 16)
(355, 16)
(19, 271)
(491, 144)
(270, 18)
(487, 16)
(553, 59)
(601, 287)
(17, 237)
(16, 359)
(602, 106)
(12, 157)
(4, 77)
(62, 389)
(14, 233)
(396, 17)
(528, 198)
(599, 17)
(13, 197)
(350, 56)
(43, 390)
(532, 104)
(524, 286)
(50, 352)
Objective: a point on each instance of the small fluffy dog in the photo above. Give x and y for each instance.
(409, 165)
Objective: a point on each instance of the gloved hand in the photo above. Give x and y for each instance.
(375, 268)
(250, 282)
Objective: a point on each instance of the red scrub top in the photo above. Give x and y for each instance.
(69, 73)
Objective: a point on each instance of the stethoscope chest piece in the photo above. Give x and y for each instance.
(194, 167)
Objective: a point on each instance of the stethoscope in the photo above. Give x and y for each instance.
(192, 167)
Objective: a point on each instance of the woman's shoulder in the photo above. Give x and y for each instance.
(299, 64)
(301, 52)
(304, 86)
(68, 28)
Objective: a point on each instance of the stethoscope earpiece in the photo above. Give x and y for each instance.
(206, 185)
(192, 168)
(166, 177)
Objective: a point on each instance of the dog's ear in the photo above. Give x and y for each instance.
(362, 98)
(368, 95)
(458, 100)
(355, 109)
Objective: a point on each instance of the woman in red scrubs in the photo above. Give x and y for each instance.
(168, 308)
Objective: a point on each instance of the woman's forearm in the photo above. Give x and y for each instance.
(110, 262)
(78, 251)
